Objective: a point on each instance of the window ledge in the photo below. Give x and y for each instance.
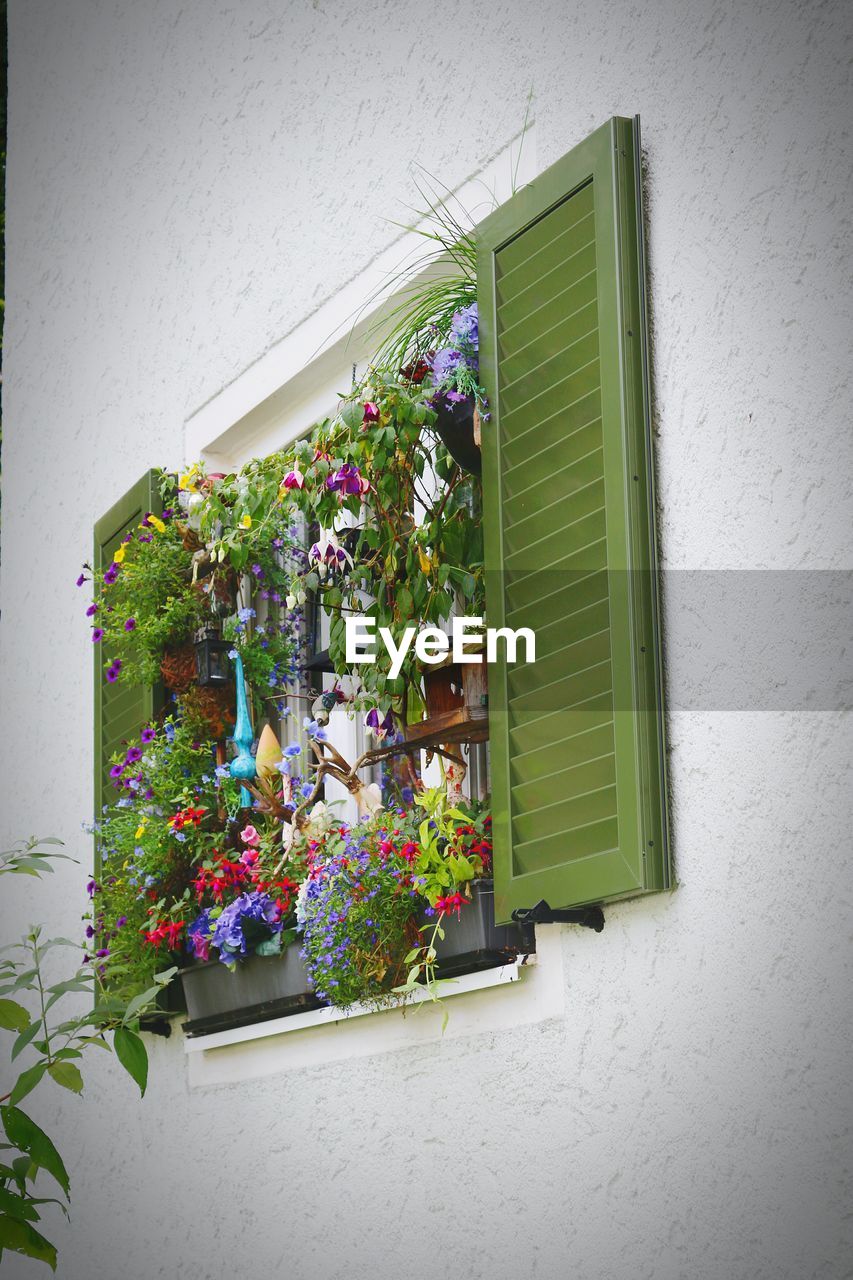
(479, 981)
(496, 999)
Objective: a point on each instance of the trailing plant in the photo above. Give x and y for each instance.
(54, 1039)
(145, 601)
(369, 886)
(357, 913)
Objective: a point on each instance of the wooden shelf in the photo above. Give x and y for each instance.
(462, 724)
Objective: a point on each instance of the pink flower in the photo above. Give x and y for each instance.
(293, 480)
(249, 857)
(250, 836)
(371, 412)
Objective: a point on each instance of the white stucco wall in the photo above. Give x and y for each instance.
(187, 183)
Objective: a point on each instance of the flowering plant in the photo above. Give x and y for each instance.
(370, 887)
(357, 913)
(456, 366)
(358, 481)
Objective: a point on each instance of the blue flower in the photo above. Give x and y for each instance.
(293, 749)
(245, 614)
(232, 654)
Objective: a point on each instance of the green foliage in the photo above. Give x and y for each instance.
(154, 594)
(148, 856)
(359, 915)
(30, 1008)
(373, 485)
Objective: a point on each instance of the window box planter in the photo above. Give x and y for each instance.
(259, 987)
(473, 941)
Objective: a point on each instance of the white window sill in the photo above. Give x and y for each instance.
(494, 999)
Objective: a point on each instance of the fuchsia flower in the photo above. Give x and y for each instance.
(371, 412)
(293, 480)
(379, 728)
(249, 835)
(348, 480)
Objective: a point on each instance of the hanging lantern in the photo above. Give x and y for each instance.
(211, 658)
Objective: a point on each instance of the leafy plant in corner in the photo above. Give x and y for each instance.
(55, 1040)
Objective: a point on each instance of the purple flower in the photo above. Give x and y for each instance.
(257, 571)
(104, 951)
(148, 734)
(117, 770)
(91, 611)
(146, 537)
(445, 364)
(122, 920)
(111, 574)
(97, 635)
(81, 579)
(464, 328)
(347, 480)
(133, 754)
(130, 625)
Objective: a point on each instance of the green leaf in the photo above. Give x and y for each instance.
(25, 1037)
(20, 1237)
(28, 1137)
(67, 1075)
(26, 1082)
(139, 1002)
(352, 414)
(17, 1206)
(133, 1056)
(13, 1016)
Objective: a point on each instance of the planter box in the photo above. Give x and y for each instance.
(258, 988)
(473, 940)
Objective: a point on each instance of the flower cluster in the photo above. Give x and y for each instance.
(455, 368)
(358, 914)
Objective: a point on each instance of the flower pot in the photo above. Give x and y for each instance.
(258, 988)
(472, 940)
(455, 425)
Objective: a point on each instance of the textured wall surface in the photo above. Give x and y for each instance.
(187, 182)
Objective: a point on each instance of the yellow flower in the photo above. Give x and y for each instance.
(424, 560)
(140, 830)
(188, 479)
(157, 523)
(118, 555)
(246, 521)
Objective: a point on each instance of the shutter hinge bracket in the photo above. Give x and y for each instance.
(587, 917)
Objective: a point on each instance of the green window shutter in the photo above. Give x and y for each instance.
(121, 710)
(576, 737)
